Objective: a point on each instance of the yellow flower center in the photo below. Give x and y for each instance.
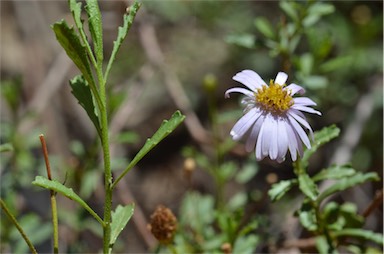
(274, 98)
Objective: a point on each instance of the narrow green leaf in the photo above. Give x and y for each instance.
(82, 92)
(120, 218)
(334, 172)
(95, 27)
(307, 216)
(68, 192)
(322, 245)
(321, 9)
(122, 33)
(264, 27)
(70, 41)
(165, 129)
(360, 233)
(75, 8)
(279, 189)
(307, 186)
(289, 8)
(242, 40)
(346, 183)
(320, 138)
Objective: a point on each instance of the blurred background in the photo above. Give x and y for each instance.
(182, 55)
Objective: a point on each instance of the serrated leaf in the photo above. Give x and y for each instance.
(334, 172)
(122, 33)
(95, 27)
(75, 8)
(165, 129)
(120, 218)
(346, 183)
(70, 41)
(262, 24)
(360, 233)
(320, 138)
(68, 192)
(82, 92)
(308, 187)
(279, 189)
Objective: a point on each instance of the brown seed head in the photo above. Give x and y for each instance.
(163, 224)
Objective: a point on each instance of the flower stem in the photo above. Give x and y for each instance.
(14, 221)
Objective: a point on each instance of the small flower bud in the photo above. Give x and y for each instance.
(163, 224)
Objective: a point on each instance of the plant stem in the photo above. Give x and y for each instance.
(107, 161)
(55, 222)
(14, 221)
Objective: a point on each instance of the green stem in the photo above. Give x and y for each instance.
(14, 221)
(107, 162)
(55, 223)
(322, 229)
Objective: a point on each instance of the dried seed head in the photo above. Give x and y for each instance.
(163, 224)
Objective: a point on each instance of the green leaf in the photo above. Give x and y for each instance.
(307, 186)
(289, 8)
(242, 40)
(165, 129)
(75, 8)
(7, 147)
(321, 137)
(279, 189)
(307, 216)
(346, 183)
(120, 218)
(321, 9)
(322, 245)
(68, 192)
(334, 172)
(122, 33)
(70, 41)
(247, 173)
(262, 24)
(360, 233)
(95, 27)
(82, 92)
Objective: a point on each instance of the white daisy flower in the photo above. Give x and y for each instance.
(273, 118)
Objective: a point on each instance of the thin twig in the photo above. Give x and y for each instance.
(14, 221)
(53, 198)
(378, 200)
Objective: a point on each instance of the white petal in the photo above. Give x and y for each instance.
(255, 77)
(281, 78)
(250, 79)
(282, 138)
(267, 135)
(299, 130)
(238, 90)
(301, 121)
(293, 141)
(245, 122)
(258, 151)
(304, 101)
(251, 141)
(295, 89)
(306, 109)
(273, 146)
